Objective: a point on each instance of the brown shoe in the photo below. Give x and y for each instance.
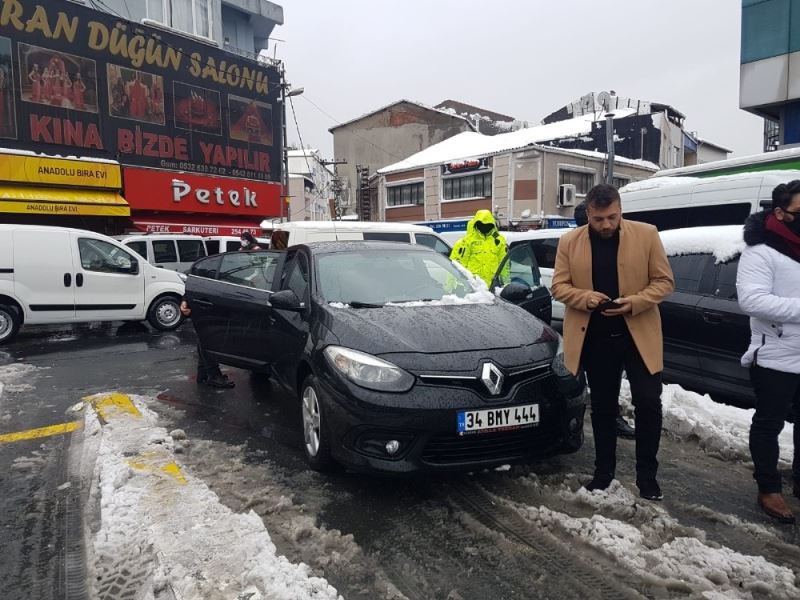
(775, 506)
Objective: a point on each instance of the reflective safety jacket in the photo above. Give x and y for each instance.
(480, 253)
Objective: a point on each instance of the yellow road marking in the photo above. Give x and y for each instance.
(40, 432)
(108, 404)
(146, 462)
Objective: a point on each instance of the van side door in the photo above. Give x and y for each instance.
(109, 281)
(44, 275)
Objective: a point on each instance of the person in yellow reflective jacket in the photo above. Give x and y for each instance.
(483, 248)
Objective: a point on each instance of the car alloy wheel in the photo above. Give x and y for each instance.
(311, 421)
(316, 442)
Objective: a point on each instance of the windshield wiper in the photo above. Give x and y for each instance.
(357, 304)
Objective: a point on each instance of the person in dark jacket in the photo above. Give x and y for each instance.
(768, 286)
(248, 242)
(208, 371)
(624, 429)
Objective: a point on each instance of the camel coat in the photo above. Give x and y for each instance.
(644, 276)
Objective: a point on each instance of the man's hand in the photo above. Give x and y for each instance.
(185, 310)
(626, 307)
(595, 299)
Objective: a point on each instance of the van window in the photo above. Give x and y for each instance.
(431, 241)
(545, 252)
(694, 216)
(212, 247)
(387, 236)
(139, 247)
(232, 245)
(164, 251)
(191, 250)
(688, 270)
(251, 269)
(103, 257)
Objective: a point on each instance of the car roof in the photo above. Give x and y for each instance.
(349, 226)
(536, 234)
(723, 241)
(361, 246)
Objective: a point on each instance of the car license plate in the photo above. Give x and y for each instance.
(498, 419)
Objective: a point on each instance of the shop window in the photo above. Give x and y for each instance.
(582, 180)
(164, 251)
(406, 194)
(469, 186)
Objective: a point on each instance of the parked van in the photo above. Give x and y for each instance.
(173, 251)
(218, 244)
(61, 275)
(677, 202)
(303, 232)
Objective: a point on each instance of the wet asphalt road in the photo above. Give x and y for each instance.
(436, 537)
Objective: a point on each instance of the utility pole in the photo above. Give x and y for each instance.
(337, 187)
(286, 93)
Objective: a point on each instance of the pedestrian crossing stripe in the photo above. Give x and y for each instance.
(40, 432)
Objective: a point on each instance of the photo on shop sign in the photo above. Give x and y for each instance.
(250, 120)
(197, 109)
(8, 121)
(135, 95)
(56, 78)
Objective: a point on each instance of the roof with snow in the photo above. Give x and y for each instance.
(462, 108)
(403, 101)
(471, 144)
(724, 241)
(705, 142)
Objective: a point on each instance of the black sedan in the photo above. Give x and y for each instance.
(399, 360)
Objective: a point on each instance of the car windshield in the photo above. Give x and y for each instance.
(374, 278)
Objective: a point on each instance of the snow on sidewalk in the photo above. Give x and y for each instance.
(719, 429)
(643, 538)
(163, 532)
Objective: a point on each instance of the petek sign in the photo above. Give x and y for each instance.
(148, 189)
(77, 81)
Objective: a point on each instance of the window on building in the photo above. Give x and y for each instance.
(191, 16)
(582, 180)
(469, 186)
(619, 182)
(676, 157)
(406, 194)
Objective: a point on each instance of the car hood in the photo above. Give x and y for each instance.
(434, 329)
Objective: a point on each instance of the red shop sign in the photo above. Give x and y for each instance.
(190, 226)
(174, 191)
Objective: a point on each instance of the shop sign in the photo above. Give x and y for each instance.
(466, 165)
(59, 171)
(77, 81)
(150, 189)
(198, 229)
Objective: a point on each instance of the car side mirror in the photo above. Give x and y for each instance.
(286, 300)
(516, 292)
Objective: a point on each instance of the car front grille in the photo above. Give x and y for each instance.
(513, 377)
(452, 449)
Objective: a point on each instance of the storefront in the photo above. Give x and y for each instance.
(67, 192)
(174, 202)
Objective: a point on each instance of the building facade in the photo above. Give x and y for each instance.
(196, 129)
(311, 187)
(769, 76)
(387, 135)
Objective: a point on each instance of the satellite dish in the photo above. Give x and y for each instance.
(604, 100)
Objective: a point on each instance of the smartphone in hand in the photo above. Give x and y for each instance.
(608, 305)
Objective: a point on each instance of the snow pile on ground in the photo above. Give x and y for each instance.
(724, 242)
(719, 429)
(161, 530)
(660, 551)
(16, 377)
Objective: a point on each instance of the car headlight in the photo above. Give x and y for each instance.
(558, 365)
(369, 371)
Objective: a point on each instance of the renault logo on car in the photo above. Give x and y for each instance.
(492, 378)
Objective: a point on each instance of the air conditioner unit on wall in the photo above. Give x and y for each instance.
(566, 194)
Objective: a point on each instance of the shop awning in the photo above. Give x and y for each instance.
(60, 201)
(195, 225)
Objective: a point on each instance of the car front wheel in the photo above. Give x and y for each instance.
(315, 439)
(165, 313)
(9, 323)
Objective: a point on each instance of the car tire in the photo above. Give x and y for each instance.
(9, 323)
(164, 313)
(316, 441)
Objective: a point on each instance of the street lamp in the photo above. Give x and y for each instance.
(286, 93)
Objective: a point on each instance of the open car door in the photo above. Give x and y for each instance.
(519, 281)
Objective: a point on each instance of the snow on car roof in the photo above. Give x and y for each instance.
(724, 242)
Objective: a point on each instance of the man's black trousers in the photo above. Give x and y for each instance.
(604, 359)
(776, 393)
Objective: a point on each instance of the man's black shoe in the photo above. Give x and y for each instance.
(598, 483)
(219, 381)
(624, 430)
(649, 489)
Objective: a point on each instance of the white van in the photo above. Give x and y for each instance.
(302, 232)
(61, 275)
(678, 202)
(218, 244)
(173, 251)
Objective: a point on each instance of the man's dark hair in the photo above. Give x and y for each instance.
(602, 195)
(579, 214)
(782, 195)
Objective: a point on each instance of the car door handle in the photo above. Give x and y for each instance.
(713, 318)
(79, 279)
(203, 303)
(67, 279)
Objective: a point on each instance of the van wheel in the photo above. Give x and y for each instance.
(9, 323)
(165, 313)
(316, 442)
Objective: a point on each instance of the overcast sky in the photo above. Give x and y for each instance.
(524, 58)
